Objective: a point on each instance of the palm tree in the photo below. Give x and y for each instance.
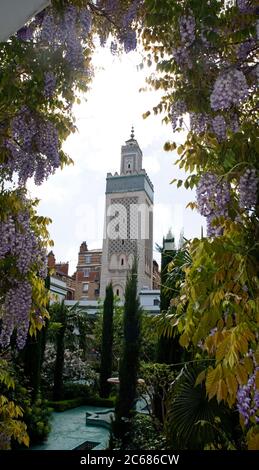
(194, 421)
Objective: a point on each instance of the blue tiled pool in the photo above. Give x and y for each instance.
(69, 430)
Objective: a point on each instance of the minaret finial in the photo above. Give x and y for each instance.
(132, 133)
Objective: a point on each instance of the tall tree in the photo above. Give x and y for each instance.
(107, 338)
(129, 364)
(33, 354)
(165, 345)
(60, 348)
(32, 362)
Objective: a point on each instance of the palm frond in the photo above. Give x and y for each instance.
(191, 416)
(165, 324)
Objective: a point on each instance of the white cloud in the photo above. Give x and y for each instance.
(151, 164)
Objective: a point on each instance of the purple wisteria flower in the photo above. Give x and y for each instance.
(248, 399)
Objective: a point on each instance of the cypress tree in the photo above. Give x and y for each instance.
(33, 354)
(60, 349)
(46, 326)
(32, 362)
(107, 338)
(129, 363)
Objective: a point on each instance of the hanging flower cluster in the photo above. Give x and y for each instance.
(21, 248)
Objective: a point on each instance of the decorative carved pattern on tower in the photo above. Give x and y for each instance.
(126, 245)
(133, 192)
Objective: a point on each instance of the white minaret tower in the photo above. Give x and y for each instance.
(128, 228)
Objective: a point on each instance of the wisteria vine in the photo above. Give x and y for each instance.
(23, 250)
(248, 397)
(230, 85)
(213, 197)
(31, 142)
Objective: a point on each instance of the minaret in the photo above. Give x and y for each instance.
(131, 156)
(128, 224)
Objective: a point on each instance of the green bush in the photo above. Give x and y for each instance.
(102, 402)
(64, 405)
(142, 435)
(36, 414)
(37, 418)
(73, 390)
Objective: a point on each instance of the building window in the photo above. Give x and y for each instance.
(128, 165)
(117, 292)
(88, 259)
(86, 272)
(85, 287)
(122, 262)
(156, 302)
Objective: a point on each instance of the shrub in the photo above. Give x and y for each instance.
(66, 404)
(142, 435)
(76, 390)
(102, 402)
(37, 418)
(75, 368)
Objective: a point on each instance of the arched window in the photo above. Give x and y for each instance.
(117, 292)
(122, 261)
(129, 166)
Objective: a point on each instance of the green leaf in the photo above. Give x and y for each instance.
(146, 114)
(180, 149)
(169, 146)
(200, 378)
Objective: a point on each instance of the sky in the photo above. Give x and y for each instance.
(74, 197)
